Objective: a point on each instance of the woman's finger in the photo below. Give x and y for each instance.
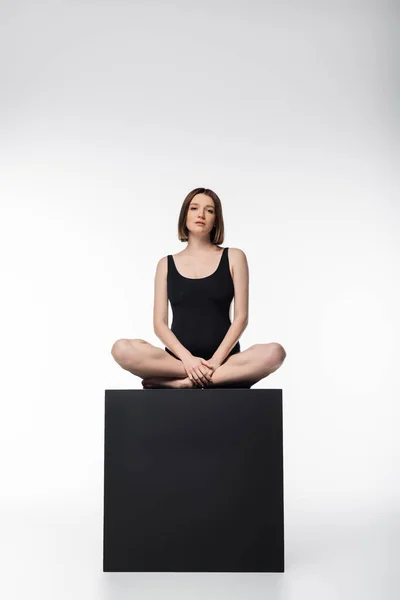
(201, 375)
(207, 364)
(195, 377)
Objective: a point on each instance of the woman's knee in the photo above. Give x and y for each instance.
(277, 351)
(272, 353)
(124, 349)
(119, 348)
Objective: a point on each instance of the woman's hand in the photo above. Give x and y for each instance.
(198, 369)
(213, 364)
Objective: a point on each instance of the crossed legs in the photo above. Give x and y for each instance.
(160, 369)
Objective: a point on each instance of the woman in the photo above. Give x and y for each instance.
(202, 346)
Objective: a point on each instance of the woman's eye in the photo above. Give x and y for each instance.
(209, 210)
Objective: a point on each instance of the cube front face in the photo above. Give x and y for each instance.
(193, 481)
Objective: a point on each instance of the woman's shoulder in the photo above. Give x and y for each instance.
(237, 257)
(162, 265)
(236, 252)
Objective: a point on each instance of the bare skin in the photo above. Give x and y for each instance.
(199, 259)
(157, 368)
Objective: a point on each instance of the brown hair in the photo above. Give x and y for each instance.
(217, 232)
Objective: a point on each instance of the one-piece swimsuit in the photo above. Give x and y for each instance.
(201, 307)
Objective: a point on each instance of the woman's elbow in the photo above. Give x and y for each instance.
(157, 325)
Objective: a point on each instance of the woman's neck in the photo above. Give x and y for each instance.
(200, 247)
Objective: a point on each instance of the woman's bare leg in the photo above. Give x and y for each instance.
(145, 360)
(251, 365)
(246, 367)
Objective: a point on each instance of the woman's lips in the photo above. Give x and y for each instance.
(199, 223)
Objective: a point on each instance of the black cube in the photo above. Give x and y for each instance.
(193, 480)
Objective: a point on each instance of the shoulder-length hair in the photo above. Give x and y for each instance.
(217, 232)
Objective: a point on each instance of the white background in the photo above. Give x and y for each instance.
(110, 113)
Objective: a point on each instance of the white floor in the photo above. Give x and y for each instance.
(55, 552)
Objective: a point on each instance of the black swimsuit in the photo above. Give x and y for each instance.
(201, 308)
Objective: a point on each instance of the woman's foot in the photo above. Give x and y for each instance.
(167, 382)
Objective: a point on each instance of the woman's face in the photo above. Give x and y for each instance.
(201, 210)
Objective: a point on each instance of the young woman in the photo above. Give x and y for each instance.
(202, 346)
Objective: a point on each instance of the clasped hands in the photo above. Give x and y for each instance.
(200, 370)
